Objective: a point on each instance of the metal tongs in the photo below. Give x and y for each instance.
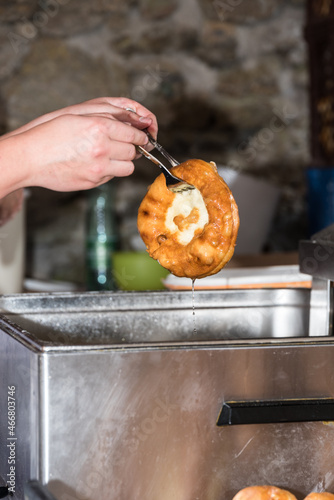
(173, 183)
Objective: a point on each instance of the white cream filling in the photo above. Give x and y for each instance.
(183, 204)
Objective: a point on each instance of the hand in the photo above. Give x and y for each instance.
(75, 152)
(76, 148)
(120, 108)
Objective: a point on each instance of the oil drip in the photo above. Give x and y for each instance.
(193, 303)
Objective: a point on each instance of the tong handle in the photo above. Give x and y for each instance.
(170, 179)
(161, 150)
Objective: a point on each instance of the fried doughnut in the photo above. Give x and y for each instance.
(320, 496)
(263, 493)
(191, 233)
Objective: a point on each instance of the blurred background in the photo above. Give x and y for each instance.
(228, 80)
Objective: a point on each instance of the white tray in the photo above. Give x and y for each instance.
(252, 277)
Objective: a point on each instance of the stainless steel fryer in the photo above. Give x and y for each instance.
(123, 396)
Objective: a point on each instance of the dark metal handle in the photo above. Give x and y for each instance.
(276, 411)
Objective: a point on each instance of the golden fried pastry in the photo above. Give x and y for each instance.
(191, 233)
(263, 493)
(320, 496)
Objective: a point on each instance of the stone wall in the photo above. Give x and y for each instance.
(227, 79)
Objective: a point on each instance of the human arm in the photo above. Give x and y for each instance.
(120, 108)
(75, 148)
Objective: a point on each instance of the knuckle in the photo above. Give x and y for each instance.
(97, 127)
(96, 150)
(96, 143)
(96, 173)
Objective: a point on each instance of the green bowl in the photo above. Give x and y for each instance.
(137, 271)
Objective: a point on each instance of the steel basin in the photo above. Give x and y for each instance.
(127, 318)
(118, 394)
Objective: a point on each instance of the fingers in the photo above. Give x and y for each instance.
(111, 168)
(121, 168)
(137, 121)
(119, 107)
(138, 109)
(140, 122)
(116, 168)
(113, 106)
(112, 144)
(115, 129)
(102, 107)
(127, 133)
(122, 151)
